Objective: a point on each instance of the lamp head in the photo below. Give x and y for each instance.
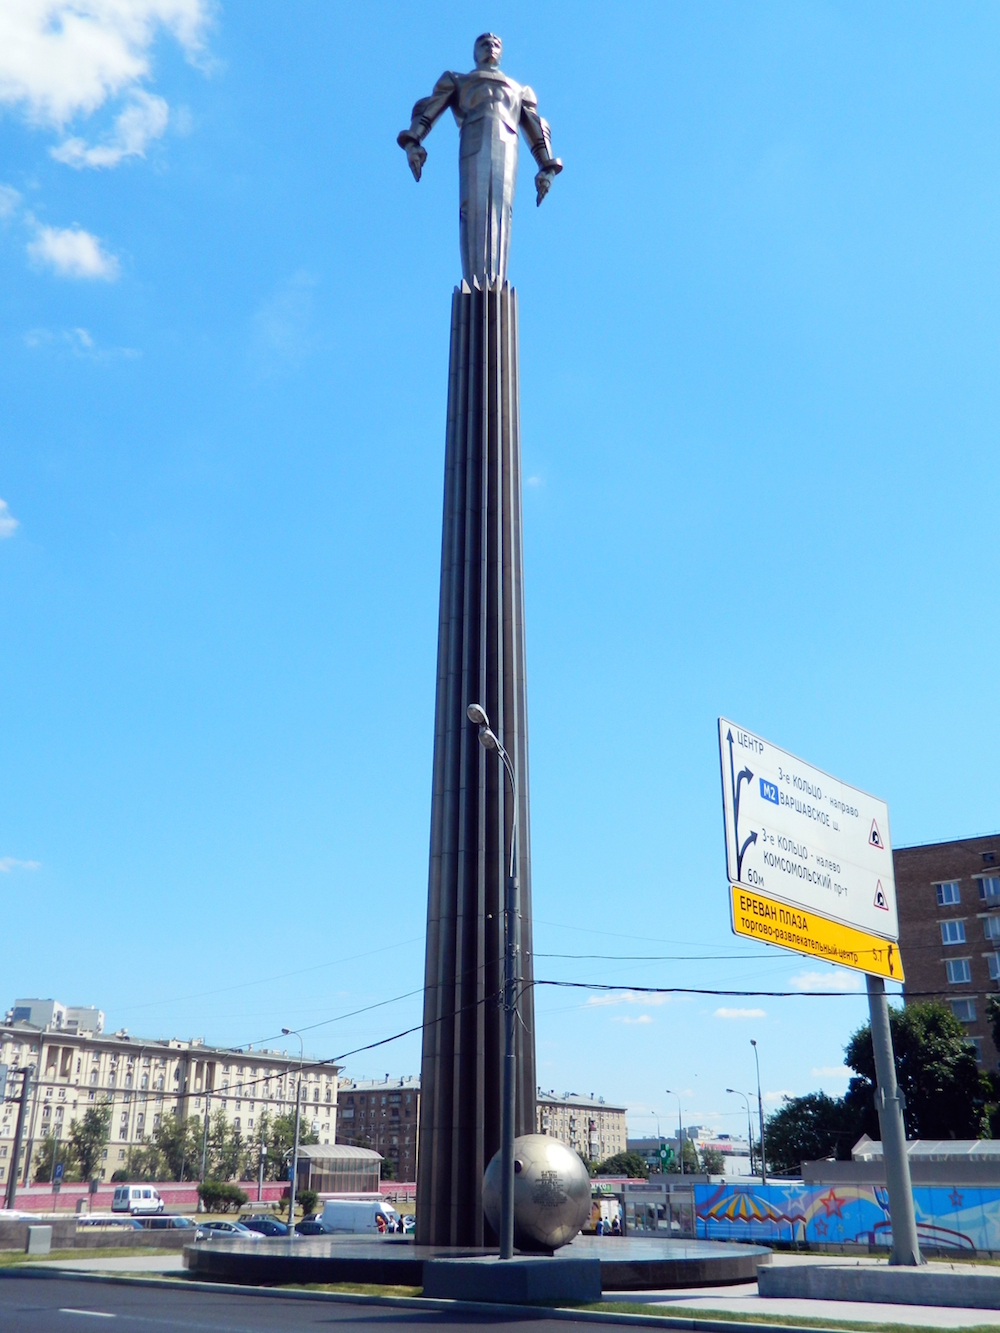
(476, 714)
(286, 1032)
(752, 1042)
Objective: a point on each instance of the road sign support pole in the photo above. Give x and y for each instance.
(22, 1111)
(889, 1102)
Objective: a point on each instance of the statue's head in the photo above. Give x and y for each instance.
(487, 50)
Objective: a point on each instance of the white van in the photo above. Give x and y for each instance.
(136, 1199)
(357, 1216)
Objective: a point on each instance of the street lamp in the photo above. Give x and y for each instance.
(488, 739)
(760, 1113)
(680, 1128)
(290, 1032)
(736, 1093)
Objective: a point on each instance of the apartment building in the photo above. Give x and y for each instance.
(591, 1125)
(383, 1115)
(77, 1066)
(948, 896)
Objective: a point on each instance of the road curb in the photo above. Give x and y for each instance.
(417, 1302)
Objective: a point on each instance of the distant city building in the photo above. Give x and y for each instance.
(78, 1066)
(55, 1016)
(383, 1115)
(735, 1151)
(948, 898)
(594, 1127)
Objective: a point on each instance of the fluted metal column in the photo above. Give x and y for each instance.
(480, 659)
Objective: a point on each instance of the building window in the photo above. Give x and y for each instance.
(991, 927)
(947, 893)
(952, 932)
(977, 1044)
(993, 963)
(959, 972)
(964, 1010)
(989, 888)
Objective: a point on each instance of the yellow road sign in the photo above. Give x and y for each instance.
(758, 917)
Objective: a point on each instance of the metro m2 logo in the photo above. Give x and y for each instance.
(769, 791)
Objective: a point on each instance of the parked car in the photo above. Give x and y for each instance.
(105, 1221)
(311, 1226)
(409, 1224)
(266, 1225)
(165, 1222)
(225, 1231)
(136, 1199)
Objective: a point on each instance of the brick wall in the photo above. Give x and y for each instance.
(918, 870)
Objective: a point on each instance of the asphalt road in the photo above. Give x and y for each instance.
(66, 1305)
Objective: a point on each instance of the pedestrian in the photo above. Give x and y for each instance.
(616, 1227)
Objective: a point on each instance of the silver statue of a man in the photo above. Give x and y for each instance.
(489, 108)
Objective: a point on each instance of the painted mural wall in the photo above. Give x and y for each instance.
(957, 1218)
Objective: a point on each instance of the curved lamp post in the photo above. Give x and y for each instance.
(760, 1113)
(736, 1093)
(490, 741)
(680, 1127)
(290, 1032)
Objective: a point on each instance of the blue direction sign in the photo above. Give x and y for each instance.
(57, 1174)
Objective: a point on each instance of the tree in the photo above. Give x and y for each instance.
(63, 1153)
(88, 1137)
(713, 1163)
(179, 1142)
(946, 1095)
(691, 1164)
(281, 1136)
(388, 1169)
(623, 1164)
(809, 1128)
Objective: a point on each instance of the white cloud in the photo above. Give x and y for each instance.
(832, 1071)
(9, 863)
(73, 253)
(626, 997)
(740, 1013)
(625, 1018)
(65, 58)
(283, 324)
(8, 526)
(782, 1095)
(840, 980)
(10, 202)
(77, 342)
(144, 119)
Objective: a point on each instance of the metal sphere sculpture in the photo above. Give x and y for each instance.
(551, 1193)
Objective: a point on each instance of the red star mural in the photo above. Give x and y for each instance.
(832, 1205)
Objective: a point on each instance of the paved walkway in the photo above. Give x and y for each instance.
(743, 1299)
(130, 1263)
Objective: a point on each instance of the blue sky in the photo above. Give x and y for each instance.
(760, 404)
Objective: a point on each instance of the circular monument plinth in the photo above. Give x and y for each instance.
(627, 1263)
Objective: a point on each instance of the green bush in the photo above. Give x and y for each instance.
(218, 1197)
(307, 1200)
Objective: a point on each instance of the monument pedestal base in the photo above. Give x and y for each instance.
(520, 1281)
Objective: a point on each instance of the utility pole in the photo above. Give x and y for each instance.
(204, 1143)
(889, 1103)
(260, 1170)
(22, 1112)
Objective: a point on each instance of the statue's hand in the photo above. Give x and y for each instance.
(416, 155)
(544, 179)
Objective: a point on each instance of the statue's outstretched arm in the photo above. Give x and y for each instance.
(425, 113)
(539, 136)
